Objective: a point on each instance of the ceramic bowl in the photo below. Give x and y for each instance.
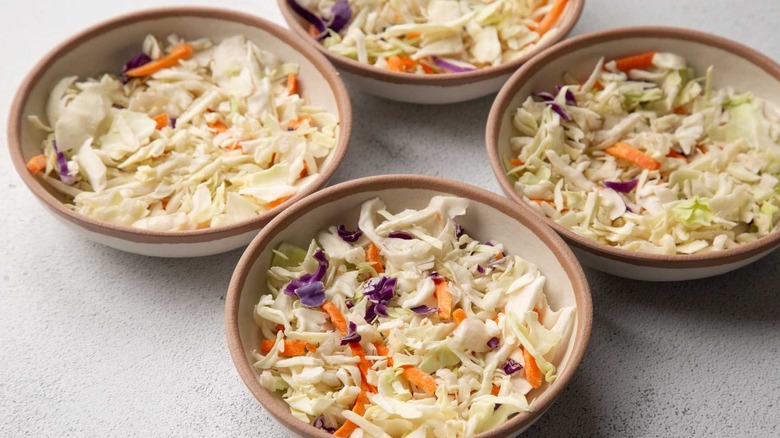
(107, 45)
(735, 65)
(430, 89)
(489, 216)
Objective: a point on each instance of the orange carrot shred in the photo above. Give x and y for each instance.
(304, 172)
(312, 30)
(179, 52)
(372, 256)
(280, 326)
(551, 17)
(673, 154)
(703, 149)
(444, 298)
(37, 164)
(382, 350)
(642, 61)
(680, 111)
(412, 35)
(217, 126)
(427, 68)
(292, 84)
(494, 390)
(532, 372)
(459, 315)
(336, 318)
(422, 380)
(348, 427)
(162, 121)
(402, 64)
(277, 202)
(295, 124)
(630, 153)
(292, 347)
(516, 162)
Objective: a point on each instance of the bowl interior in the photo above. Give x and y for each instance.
(108, 47)
(482, 221)
(730, 70)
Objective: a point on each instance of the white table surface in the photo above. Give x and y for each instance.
(96, 342)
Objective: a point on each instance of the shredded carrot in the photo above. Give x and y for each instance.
(292, 84)
(673, 154)
(643, 61)
(703, 149)
(412, 35)
(496, 318)
(419, 378)
(217, 126)
(539, 18)
(516, 162)
(304, 172)
(372, 256)
(532, 372)
(336, 318)
(444, 298)
(179, 52)
(499, 256)
(363, 364)
(381, 349)
(551, 17)
(277, 202)
(680, 111)
(292, 347)
(459, 315)
(162, 121)
(164, 203)
(235, 145)
(312, 30)
(494, 390)
(632, 154)
(347, 428)
(37, 164)
(280, 326)
(273, 159)
(295, 124)
(402, 64)
(427, 68)
(540, 201)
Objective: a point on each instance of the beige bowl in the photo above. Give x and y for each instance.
(735, 65)
(489, 216)
(430, 89)
(108, 45)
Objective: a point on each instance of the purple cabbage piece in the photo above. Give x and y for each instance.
(495, 408)
(312, 294)
(424, 310)
(379, 290)
(434, 275)
(570, 99)
(622, 186)
(349, 304)
(450, 67)
(319, 423)
(173, 122)
(352, 335)
(309, 16)
(459, 231)
(493, 343)
(62, 163)
(340, 15)
(488, 243)
(510, 366)
(557, 108)
(309, 282)
(480, 269)
(544, 96)
(137, 60)
(348, 236)
(400, 235)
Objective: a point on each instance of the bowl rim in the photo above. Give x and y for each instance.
(518, 79)
(564, 25)
(335, 193)
(35, 184)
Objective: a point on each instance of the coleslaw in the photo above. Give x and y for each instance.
(647, 156)
(430, 36)
(406, 326)
(188, 136)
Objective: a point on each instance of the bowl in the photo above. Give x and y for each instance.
(735, 65)
(430, 89)
(489, 216)
(109, 44)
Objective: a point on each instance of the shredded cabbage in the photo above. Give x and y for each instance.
(211, 141)
(432, 36)
(501, 309)
(708, 169)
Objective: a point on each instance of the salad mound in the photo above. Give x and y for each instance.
(430, 36)
(192, 135)
(406, 326)
(647, 156)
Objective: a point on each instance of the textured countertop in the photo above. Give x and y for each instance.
(96, 342)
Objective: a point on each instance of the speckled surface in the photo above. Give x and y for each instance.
(95, 342)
